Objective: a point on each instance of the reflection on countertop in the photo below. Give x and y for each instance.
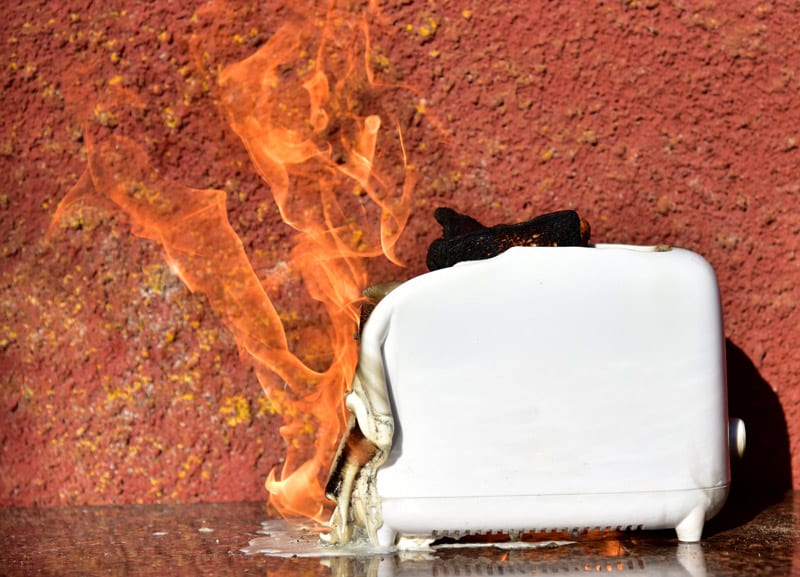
(207, 539)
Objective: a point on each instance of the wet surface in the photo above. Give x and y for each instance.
(208, 539)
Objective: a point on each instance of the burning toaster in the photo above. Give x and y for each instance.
(565, 388)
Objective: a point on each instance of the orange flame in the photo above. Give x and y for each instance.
(311, 122)
(309, 111)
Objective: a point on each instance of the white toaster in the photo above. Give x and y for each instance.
(565, 388)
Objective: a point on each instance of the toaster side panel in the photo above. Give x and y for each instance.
(557, 371)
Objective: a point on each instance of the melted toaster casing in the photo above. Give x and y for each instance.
(554, 388)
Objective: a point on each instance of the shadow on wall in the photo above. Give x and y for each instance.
(764, 475)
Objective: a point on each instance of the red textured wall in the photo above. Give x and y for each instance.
(660, 122)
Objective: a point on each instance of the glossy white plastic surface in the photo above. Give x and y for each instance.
(553, 388)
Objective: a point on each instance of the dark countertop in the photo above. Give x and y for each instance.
(206, 539)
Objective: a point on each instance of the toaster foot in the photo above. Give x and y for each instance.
(691, 528)
(386, 536)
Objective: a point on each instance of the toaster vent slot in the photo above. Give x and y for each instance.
(444, 536)
(512, 534)
(578, 531)
(482, 567)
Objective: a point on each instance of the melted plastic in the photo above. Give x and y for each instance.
(303, 538)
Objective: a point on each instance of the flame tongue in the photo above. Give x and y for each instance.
(309, 112)
(313, 133)
(307, 109)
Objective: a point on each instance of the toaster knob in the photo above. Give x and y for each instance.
(737, 437)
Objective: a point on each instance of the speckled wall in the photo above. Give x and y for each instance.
(660, 122)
